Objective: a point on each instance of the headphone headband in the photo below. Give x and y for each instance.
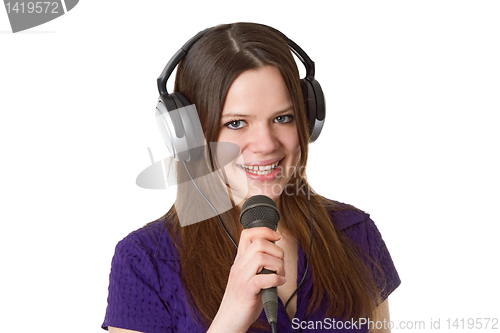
(179, 55)
(301, 54)
(174, 61)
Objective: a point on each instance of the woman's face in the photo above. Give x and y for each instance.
(258, 116)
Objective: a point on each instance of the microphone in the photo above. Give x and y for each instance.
(261, 211)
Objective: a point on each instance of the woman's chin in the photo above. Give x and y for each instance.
(239, 198)
(243, 188)
(272, 191)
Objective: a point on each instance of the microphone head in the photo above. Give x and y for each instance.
(258, 208)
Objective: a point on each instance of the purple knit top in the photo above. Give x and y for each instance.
(146, 293)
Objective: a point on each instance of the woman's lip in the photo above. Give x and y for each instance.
(267, 177)
(262, 163)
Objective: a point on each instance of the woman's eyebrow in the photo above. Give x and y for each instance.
(237, 115)
(241, 115)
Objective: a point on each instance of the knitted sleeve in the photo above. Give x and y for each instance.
(134, 288)
(369, 239)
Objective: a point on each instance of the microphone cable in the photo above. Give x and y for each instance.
(273, 325)
(213, 208)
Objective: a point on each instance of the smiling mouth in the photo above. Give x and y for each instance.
(260, 169)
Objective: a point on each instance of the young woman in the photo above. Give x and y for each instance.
(167, 277)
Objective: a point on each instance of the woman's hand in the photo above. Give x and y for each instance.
(241, 304)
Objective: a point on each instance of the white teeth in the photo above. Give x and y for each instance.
(260, 170)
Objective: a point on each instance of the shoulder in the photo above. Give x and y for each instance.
(138, 294)
(344, 215)
(152, 240)
(356, 226)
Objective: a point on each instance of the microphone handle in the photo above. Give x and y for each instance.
(269, 295)
(270, 300)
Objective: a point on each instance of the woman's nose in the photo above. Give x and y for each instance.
(263, 140)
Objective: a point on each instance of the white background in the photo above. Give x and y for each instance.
(411, 137)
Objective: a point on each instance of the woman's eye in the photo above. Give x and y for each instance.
(284, 118)
(234, 124)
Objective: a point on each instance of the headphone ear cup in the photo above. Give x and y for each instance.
(170, 125)
(181, 99)
(320, 110)
(310, 102)
(315, 106)
(180, 127)
(192, 129)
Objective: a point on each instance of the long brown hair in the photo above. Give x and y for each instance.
(341, 279)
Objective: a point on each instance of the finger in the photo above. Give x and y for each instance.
(261, 245)
(257, 254)
(270, 263)
(247, 267)
(249, 235)
(263, 281)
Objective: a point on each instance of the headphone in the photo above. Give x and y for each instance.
(178, 120)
